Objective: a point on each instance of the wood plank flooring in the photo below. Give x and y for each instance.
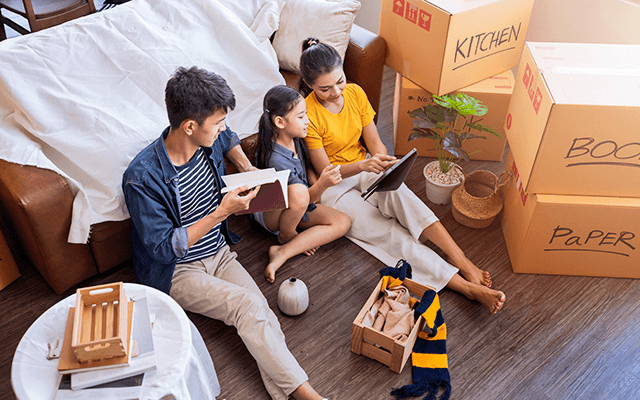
(557, 337)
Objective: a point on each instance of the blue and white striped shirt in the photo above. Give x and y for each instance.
(198, 197)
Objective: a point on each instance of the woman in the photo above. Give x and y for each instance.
(389, 225)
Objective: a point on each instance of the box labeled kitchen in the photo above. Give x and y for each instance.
(444, 46)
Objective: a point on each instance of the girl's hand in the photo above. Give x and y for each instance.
(238, 200)
(330, 176)
(377, 163)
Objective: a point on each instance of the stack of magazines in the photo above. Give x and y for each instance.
(111, 379)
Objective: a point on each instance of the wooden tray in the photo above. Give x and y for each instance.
(100, 323)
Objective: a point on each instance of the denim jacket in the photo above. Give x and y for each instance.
(150, 186)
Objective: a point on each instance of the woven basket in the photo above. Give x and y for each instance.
(477, 201)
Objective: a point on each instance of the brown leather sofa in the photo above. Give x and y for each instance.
(37, 202)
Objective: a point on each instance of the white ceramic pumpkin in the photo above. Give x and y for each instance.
(293, 297)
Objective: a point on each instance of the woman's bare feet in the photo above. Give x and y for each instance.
(492, 299)
(472, 273)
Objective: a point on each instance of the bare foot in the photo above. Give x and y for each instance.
(276, 259)
(312, 251)
(472, 273)
(490, 298)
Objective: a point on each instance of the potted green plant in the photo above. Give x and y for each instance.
(449, 122)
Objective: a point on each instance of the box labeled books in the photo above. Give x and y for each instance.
(573, 119)
(444, 46)
(570, 235)
(494, 92)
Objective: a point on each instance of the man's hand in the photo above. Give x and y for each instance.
(378, 163)
(237, 200)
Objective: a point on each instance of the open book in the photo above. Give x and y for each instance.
(273, 193)
(392, 178)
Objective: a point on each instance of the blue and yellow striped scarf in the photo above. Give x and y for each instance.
(429, 356)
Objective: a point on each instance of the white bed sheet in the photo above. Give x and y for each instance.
(85, 97)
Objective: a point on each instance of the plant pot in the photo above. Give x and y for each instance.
(477, 202)
(440, 193)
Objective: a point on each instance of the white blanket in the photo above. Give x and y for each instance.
(85, 97)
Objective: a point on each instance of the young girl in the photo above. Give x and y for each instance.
(282, 127)
(389, 225)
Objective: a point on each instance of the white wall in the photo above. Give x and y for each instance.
(585, 21)
(369, 15)
(574, 21)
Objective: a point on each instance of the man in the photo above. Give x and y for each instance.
(180, 234)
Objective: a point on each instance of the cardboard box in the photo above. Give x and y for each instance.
(378, 346)
(443, 46)
(495, 92)
(573, 119)
(8, 269)
(570, 235)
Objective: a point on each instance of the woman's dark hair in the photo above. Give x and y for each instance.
(196, 94)
(317, 59)
(278, 102)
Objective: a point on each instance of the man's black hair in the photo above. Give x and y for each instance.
(196, 94)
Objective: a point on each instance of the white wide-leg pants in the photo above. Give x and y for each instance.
(388, 225)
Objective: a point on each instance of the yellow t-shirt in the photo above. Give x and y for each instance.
(340, 133)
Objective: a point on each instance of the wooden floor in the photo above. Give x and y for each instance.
(557, 337)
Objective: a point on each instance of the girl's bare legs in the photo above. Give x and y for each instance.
(439, 236)
(286, 221)
(289, 218)
(325, 225)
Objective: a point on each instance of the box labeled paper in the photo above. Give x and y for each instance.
(573, 119)
(570, 235)
(494, 92)
(443, 46)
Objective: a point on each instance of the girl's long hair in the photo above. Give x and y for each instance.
(317, 59)
(278, 102)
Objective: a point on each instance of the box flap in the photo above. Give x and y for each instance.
(459, 6)
(590, 200)
(581, 73)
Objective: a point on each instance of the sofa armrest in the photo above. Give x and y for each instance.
(364, 62)
(38, 204)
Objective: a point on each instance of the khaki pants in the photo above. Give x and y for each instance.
(388, 225)
(220, 288)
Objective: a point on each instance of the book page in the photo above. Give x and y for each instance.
(283, 177)
(250, 179)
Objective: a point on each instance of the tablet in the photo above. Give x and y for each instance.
(392, 178)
